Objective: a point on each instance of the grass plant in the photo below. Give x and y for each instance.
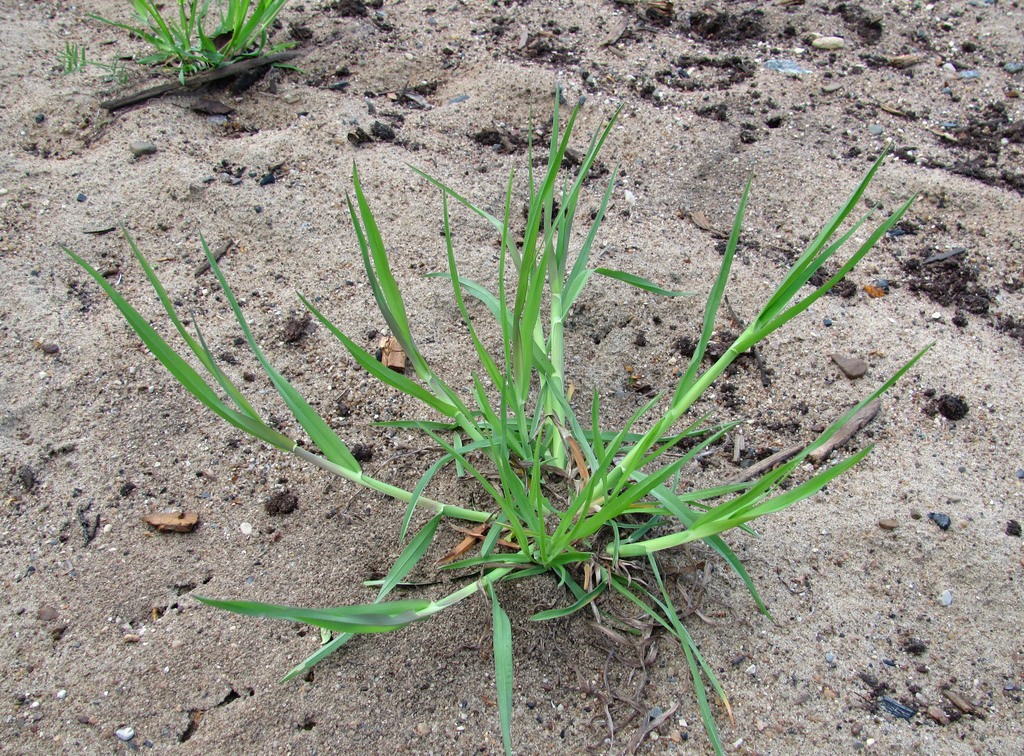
(568, 498)
(73, 60)
(189, 40)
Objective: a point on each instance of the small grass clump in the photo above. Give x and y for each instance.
(189, 40)
(567, 497)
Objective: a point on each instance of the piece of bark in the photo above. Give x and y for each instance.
(173, 522)
(846, 432)
(199, 80)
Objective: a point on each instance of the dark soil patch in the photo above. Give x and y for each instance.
(949, 406)
(727, 27)
(702, 72)
(866, 24)
(295, 329)
(281, 503)
(950, 282)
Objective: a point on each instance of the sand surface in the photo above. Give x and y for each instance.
(100, 628)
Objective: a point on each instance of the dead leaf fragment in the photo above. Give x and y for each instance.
(173, 522)
(391, 355)
(616, 33)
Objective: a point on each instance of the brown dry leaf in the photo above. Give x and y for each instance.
(616, 33)
(578, 460)
(472, 536)
(701, 221)
(173, 522)
(391, 354)
(875, 292)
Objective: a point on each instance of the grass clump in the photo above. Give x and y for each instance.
(191, 41)
(568, 497)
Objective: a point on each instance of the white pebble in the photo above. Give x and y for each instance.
(946, 598)
(829, 43)
(125, 733)
(62, 694)
(246, 528)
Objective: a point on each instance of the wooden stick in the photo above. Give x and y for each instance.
(840, 437)
(199, 80)
(844, 434)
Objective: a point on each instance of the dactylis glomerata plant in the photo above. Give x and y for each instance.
(569, 498)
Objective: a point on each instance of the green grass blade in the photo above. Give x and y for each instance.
(640, 283)
(583, 601)
(503, 669)
(181, 370)
(199, 350)
(362, 618)
(318, 656)
(409, 557)
(319, 431)
(384, 374)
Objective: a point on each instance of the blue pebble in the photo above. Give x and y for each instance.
(1013, 67)
(787, 67)
(970, 74)
(82, 197)
(827, 322)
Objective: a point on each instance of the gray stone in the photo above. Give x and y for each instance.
(141, 148)
(852, 367)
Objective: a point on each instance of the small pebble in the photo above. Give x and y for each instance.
(948, 68)
(62, 694)
(1013, 528)
(47, 613)
(940, 519)
(830, 658)
(81, 197)
(829, 43)
(875, 130)
(827, 322)
(946, 598)
(752, 670)
(125, 733)
(141, 148)
(970, 74)
(40, 117)
(1013, 67)
(852, 367)
(246, 528)
(422, 729)
(787, 67)
(888, 524)
(938, 715)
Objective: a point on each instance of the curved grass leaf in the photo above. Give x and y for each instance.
(362, 618)
(503, 671)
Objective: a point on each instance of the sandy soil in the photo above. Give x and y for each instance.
(100, 631)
